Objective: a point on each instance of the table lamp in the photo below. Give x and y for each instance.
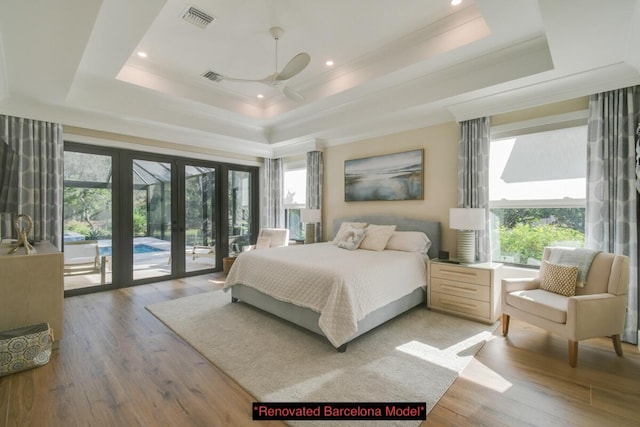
(466, 221)
(310, 217)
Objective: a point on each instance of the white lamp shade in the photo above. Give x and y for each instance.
(310, 216)
(466, 218)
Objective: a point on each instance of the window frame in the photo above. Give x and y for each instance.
(520, 128)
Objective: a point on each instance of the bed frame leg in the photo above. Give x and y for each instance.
(342, 348)
(234, 299)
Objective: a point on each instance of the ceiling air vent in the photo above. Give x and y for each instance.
(212, 75)
(197, 17)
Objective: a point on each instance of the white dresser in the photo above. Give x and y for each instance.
(467, 290)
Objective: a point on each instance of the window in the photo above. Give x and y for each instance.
(537, 189)
(295, 194)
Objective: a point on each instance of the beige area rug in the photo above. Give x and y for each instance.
(412, 358)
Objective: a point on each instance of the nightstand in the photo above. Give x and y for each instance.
(466, 290)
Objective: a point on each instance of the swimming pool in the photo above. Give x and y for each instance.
(138, 248)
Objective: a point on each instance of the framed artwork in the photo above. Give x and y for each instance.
(397, 176)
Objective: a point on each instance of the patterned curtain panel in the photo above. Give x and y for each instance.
(638, 158)
(34, 184)
(315, 171)
(612, 210)
(273, 199)
(473, 176)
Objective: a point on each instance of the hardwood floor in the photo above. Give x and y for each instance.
(119, 366)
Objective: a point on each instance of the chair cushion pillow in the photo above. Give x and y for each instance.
(558, 278)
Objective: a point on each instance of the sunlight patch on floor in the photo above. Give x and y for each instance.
(479, 373)
(454, 357)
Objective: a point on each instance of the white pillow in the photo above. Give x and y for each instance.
(409, 241)
(351, 238)
(343, 228)
(377, 237)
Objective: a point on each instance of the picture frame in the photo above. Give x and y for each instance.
(397, 176)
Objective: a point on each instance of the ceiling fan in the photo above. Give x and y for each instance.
(277, 79)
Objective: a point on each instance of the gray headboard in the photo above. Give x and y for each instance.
(430, 228)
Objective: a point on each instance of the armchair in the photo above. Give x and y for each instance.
(598, 309)
(271, 237)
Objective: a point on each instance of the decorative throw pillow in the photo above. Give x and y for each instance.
(344, 226)
(409, 241)
(351, 238)
(377, 237)
(559, 278)
(263, 243)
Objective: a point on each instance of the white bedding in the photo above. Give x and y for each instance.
(343, 286)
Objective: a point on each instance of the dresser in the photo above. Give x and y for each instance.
(32, 288)
(466, 290)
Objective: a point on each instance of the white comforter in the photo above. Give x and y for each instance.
(343, 286)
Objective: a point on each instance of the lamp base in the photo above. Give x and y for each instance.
(466, 246)
(310, 236)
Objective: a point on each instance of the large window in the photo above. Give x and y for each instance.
(537, 193)
(295, 193)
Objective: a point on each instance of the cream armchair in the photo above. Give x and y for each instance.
(598, 309)
(271, 238)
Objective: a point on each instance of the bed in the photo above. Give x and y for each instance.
(337, 293)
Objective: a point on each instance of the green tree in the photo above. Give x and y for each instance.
(529, 241)
(87, 205)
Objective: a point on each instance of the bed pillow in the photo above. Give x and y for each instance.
(559, 278)
(351, 238)
(343, 228)
(377, 237)
(409, 241)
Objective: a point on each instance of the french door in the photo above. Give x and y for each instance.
(168, 217)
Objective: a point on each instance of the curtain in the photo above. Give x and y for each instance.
(612, 209)
(315, 171)
(34, 185)
(638, 158)
(273, 199)
(473, 176)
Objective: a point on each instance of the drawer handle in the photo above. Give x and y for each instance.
(457, 304)
(456, 288)
(459, 273)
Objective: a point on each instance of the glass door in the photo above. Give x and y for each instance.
(199, 218)
(88, 220)
(241, 202)
(152, 219)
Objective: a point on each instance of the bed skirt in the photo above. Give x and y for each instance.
(309, 319)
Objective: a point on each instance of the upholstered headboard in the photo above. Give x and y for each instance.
(430, 228)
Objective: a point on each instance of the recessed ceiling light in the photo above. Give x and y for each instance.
(329, 63)
(142, 54)
(455, 2)
(260, 96)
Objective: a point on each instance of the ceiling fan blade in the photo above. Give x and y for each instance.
(231, 79)
(294, 66)
(291, 94)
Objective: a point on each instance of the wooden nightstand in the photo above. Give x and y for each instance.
(466, 290)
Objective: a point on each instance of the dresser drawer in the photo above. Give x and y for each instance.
(461, 305)
(461, 289)
(461, 274)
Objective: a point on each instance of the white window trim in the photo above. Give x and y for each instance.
(540, 124)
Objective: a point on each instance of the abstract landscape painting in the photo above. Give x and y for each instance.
(391, 177)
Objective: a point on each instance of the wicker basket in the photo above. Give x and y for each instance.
(227, 262)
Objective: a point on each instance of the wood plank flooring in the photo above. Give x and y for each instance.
(119, 366)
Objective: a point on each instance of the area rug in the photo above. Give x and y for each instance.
(412, 358)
